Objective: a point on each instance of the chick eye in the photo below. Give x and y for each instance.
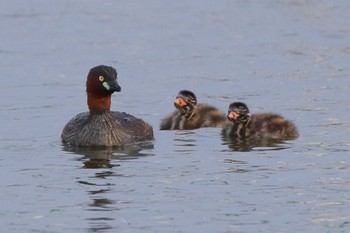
(101, 78)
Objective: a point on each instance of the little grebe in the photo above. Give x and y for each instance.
(100, 127)
(265, 125)
(190, 115)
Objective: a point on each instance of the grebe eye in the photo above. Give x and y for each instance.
(101, 78)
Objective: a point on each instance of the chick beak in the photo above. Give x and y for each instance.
(233, 116)
(179, 102)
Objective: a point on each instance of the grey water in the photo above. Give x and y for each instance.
(289, 57)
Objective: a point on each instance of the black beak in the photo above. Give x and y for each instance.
(114, 86)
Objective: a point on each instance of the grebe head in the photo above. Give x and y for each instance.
(238, 112)
(100, 85)
(185, 102)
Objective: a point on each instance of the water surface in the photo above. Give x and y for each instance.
(289, 57)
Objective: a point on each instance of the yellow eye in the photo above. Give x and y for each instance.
(101, 78)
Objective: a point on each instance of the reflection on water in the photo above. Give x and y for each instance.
(99, 224)
(98, 163)
(251, 144)
(184, 139)
(102, 204)
(236, 165)
(101, 158)
(104, 161)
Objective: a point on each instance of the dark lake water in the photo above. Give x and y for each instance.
(285, 56)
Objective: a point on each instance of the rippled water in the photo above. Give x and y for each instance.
(289, 57)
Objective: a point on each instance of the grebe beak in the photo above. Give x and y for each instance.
(233, 116)
(114, 86)
(180, 102)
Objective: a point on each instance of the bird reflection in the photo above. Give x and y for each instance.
(99, 224)
(98, 163)
(94, 158)
(99, 186)
(102, 203)
(249, 144)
